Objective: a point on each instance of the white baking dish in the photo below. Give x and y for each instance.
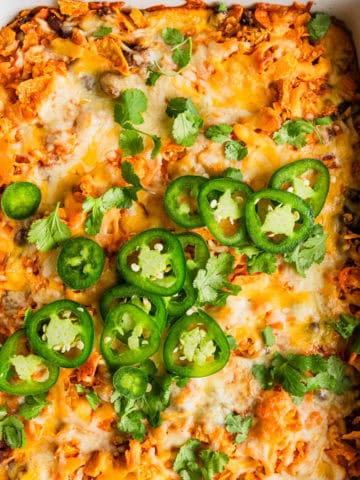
(346, 10)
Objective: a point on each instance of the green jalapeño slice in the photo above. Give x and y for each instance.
(20, 200)
(62, 332)
(222, 204)
(129, 336)
(308, 178)
(196, 251)
(21, 371)
(196, 346)
(181, 201)
(277, 221)
(130, 382)
(154, 261)
(152, 304)
(80, 263)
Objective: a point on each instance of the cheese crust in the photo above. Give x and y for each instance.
(252, 69)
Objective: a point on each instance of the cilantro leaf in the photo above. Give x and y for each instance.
(153, 77)
(182, 56)
(172, 36)
(233, 173)
(50, 232)
(129, 175)
(157, 146)
(12, 432)
(102, 32)
(333, 379)
(319, 25)
(211, 282)
(235, 150)
(3, 412)
(187, 457)
(114, 197)
(186, 128)
(179, 105)
(90, 395)
(294, 132)
(262, 262)
(214, 462)
(33, 406)
(132, 424)
(268, 336)
(130, 107)
(264, 376)
(291, 373)
(232, 342)
(222, 7)
(131, 142)
(311, 251)
(346, 325)
(218, 133)
(236, 424)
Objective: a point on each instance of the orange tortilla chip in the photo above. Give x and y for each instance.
(73, 7)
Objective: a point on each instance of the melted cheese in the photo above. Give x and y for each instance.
(70, 144)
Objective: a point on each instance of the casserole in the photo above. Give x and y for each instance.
(270, 394)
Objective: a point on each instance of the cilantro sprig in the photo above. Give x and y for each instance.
(292, 373)
(127, 113)
(319, 25)
(212, 283)
(234, 150)
(238, 426)
(294, 132)
(181, 52)
(346, 325)
(102, 32)
(134, 413)
(192, 463)
(90, 395)
(311, 251)
(187, 121)
(33, 406)
(115, 197)
(48, 233)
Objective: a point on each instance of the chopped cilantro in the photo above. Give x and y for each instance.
(179, 105)
(238, 425)
(129, 175)
(186, 128)
(222, 7)
(319, 25)
(346, 325)
(212, 283)
(33, 406)
(268, 336)
(311, 251)
(90, 395)
(233, 173)
(49, 232)
(263, 262)
(181, 55)
(172, 36)
(232, 342)
(127, 113)
(292, 373)
(192, 465)
(102, 31)
(235, 150)
(218, 133)
(131, 142)
(279, 221)
(294, 132)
